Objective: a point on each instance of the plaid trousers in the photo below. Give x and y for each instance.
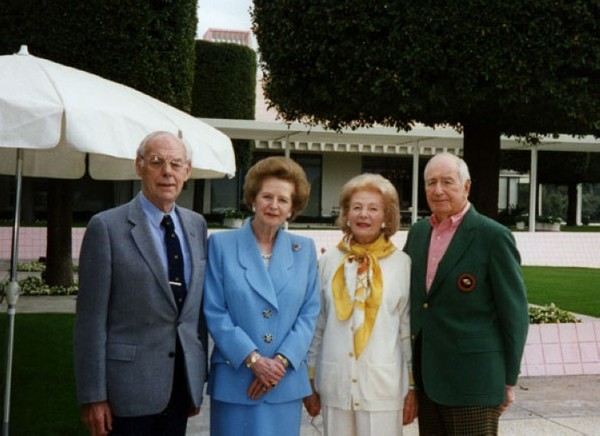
(437, 420)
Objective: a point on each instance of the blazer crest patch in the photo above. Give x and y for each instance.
(466, 282)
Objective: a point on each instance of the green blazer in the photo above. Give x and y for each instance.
(473, 321)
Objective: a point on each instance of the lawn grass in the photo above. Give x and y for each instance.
(580, 229)
(43, 385)
(572, 289)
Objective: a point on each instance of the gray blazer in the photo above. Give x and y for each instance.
(127, 320)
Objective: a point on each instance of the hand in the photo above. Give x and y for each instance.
(257, 389)
(312, 403)
(411, 407)
(509, 398)
(268, 371)
(97, 417)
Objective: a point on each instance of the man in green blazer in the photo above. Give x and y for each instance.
(469, 315)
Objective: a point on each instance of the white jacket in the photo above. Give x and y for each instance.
(378, 380)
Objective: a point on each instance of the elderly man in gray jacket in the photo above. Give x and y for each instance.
(140, 340)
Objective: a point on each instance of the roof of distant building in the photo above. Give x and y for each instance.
(241, 37)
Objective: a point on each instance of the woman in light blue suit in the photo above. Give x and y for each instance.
(261, 303)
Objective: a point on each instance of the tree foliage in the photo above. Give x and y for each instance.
(225, 87)
(225, 81)
(148, 45)
(484, 67)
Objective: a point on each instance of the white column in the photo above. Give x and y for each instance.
(578, 205)
(532, 187)
(415, 184)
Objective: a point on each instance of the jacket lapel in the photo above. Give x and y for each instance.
(282, 261)
(422, 232)
(255, 270)
(195, 247)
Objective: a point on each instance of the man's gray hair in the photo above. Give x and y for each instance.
(461, 166)
(142, 147)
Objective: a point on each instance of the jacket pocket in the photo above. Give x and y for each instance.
(381, 382)
(331, 379)
(116, 351)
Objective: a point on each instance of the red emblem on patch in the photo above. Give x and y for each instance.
(466, 282)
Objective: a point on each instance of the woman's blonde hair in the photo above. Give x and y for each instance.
(375, 183)
(282, 168)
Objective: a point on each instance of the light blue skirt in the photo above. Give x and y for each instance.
(264, 419)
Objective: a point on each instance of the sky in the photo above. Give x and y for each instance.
(223, 14)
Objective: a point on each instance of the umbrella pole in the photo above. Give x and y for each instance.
(12, 294)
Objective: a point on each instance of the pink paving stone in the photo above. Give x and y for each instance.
(552, 353)
(591, 368)
(533, 370)
(555, 369)
(597, 328)
(549, 333)
(533, 336)
(570, 353)
(534, 355)
(567, 333)
(589, 352)
(573, 369)
(586, 332)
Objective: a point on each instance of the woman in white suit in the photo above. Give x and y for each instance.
(361, 354)
(261, 303)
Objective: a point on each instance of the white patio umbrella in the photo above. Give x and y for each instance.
(53, 118)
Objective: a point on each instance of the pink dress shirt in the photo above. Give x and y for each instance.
(441, 235)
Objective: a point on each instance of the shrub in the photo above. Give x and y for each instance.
(549, 219)
(37, 266)
(36, 286)
(233, 213)
(33, 266)
(550, 314)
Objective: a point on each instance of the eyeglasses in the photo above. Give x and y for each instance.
(157, 163)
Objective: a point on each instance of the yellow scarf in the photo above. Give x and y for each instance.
(357, 286)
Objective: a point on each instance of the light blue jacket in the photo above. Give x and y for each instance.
(251, 307)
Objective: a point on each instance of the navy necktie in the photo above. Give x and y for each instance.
(174, 262)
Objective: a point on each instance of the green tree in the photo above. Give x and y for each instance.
(148, 45)
(485, 67)
(225, 87)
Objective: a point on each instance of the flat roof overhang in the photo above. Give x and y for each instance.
(274, 135)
